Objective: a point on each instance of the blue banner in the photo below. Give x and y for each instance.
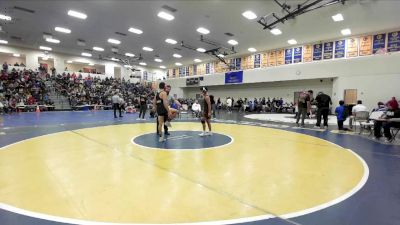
(317, 52)
(257, 60)
(235, 77)
(288, 56)
(378, 43)
(238, 63)
(340, 48)
(393, 42)
(207, 68)
(328, 50)
(297, 54)
(187, 71)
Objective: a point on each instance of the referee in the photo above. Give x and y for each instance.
(115, 102)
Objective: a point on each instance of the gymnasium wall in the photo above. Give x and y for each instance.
(280, 89)
(11, 59)
(375, 77)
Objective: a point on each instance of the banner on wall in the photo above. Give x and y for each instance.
(288, 56)
(264, 60)
(250, 62)
(394, 41)
(297, 54)
(317, 52)
(366, 45)
(307, 54)
(340, 48)
(328, 50)
(207, 68)
(352, 47)
(238, 63)
(272, 58)
(187, 71)
(280, 57)
(379, 44)
(257, 60)
(194, 69)
(235, 77)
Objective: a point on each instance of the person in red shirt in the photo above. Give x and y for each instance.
(393, 103)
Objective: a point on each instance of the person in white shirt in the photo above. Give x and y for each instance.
(357, 108)
(115, 102)
(196, 108)
(229, 104)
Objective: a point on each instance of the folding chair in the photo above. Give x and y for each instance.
(370, 124)
(394, 130)
(360, 117)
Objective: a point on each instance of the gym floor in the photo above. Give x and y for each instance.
(89, 168)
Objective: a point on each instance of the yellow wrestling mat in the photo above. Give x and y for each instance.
(97, 174)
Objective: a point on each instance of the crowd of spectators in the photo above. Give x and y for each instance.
(21, 88)
(96, 91)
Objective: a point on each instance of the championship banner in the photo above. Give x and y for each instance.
(244, 61)
(250, 62)
(207, 68)
(280, 57)
(288, 56)
(190, 70)
(174, 72)
(257, 61)
(352, 47)
(238, 63)
(317, 52)
(307, 54)
(272, 58)
(297, 54)
(365, 45)
(379, 43)
(340, 48)
(194, 69)
(394, 42)
(187, 71)
(264, 59)
(235, 77)
(328, 50)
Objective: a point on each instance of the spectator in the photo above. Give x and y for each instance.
(143, 107)
(323, 103)
(387, 124)
(341, 115)
(213, 105)
(380, 107)
(303, 106)
(357, 108)
(393, 103)
(229, 103)
(219, 104)
(5, 67)
(196, 108)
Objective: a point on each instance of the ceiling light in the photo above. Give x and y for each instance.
(4, 17)
(197, 60)
(129, 54)
(178, 64)
(170, 41)
(249, 15)
(338, 17)
(177, 56)
(91, 64)
(16, 55)
(45, 58)
(86, 54)
(77, 14)
(252, 49)
(276, 31)
(233, 42)
(292, 42)
(163, 67)
(114, 59)
(200, 50)
(143, 63)
(45, 48)
(165, 16)
(3, 42)
(158, 60)
(346, 31)
(221, 55)
(147, 49)
(203, 30)
(52, 40)
(114, 41)
(98, 49)
(62, 30)
(135, 30)
(127, 66)
(69, 61)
